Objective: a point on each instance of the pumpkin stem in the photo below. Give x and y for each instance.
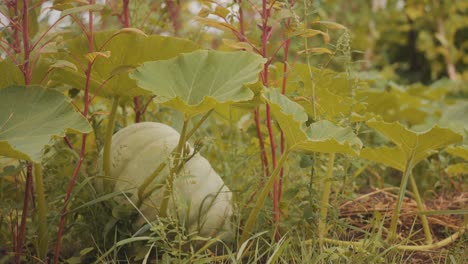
(177, 157)
(108, 141)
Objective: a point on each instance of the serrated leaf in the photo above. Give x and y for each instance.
(31, 116)
(322, 136)
(416, 145)
(196, 82)
(129, 48)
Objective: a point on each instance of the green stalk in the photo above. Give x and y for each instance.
(261, 198)
(424, 221)
(401, 196)
(108, 140)
(42, 234)
(170, 179)
(198, 124)
(327, 183)
(141, 190)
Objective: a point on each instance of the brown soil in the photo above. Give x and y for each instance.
(361, 211)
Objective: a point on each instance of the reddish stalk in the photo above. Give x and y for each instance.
(125, 14)
(241, 37)
(266, 33)
(24, 216)
(174, 14)
(26, 70)
(83, 143)
(125, 20)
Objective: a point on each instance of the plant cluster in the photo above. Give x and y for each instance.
(272, 92)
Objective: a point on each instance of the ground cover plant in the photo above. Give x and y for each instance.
(244, 131)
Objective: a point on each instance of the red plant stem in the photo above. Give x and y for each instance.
(126, 23)
(261, 142)
(25, 30)
(16, 29)
(25, 68)
(126, 16)
(83, 142)
(241, 18)
(174, 13)
(263, 155)
(266, 33)
(24, 216)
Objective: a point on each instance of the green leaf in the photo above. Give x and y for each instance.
(30, 116)
(128, 48)
(461, 151)
(11, 74)
(196, 82)
(416, 145)
(456, 117)
(79, 9)
(322, 136)
(323, 93)
(457, 169)
(392, 157)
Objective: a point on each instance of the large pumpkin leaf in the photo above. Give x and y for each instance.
(392, 157)
(323, 93)
(30, 116)
(456, 117)
(416, 145)
(321, 136)
(196, 82)
(127, 49)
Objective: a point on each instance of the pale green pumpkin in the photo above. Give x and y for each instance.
(200, 198)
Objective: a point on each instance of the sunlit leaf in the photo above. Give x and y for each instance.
(31, 116)
(196, 82)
